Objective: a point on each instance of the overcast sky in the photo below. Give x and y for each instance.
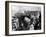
(20, 9)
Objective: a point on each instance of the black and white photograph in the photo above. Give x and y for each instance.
(25, 18)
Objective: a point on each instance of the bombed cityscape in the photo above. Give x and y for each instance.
(26, 19)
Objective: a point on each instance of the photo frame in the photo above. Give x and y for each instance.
(24, 18)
